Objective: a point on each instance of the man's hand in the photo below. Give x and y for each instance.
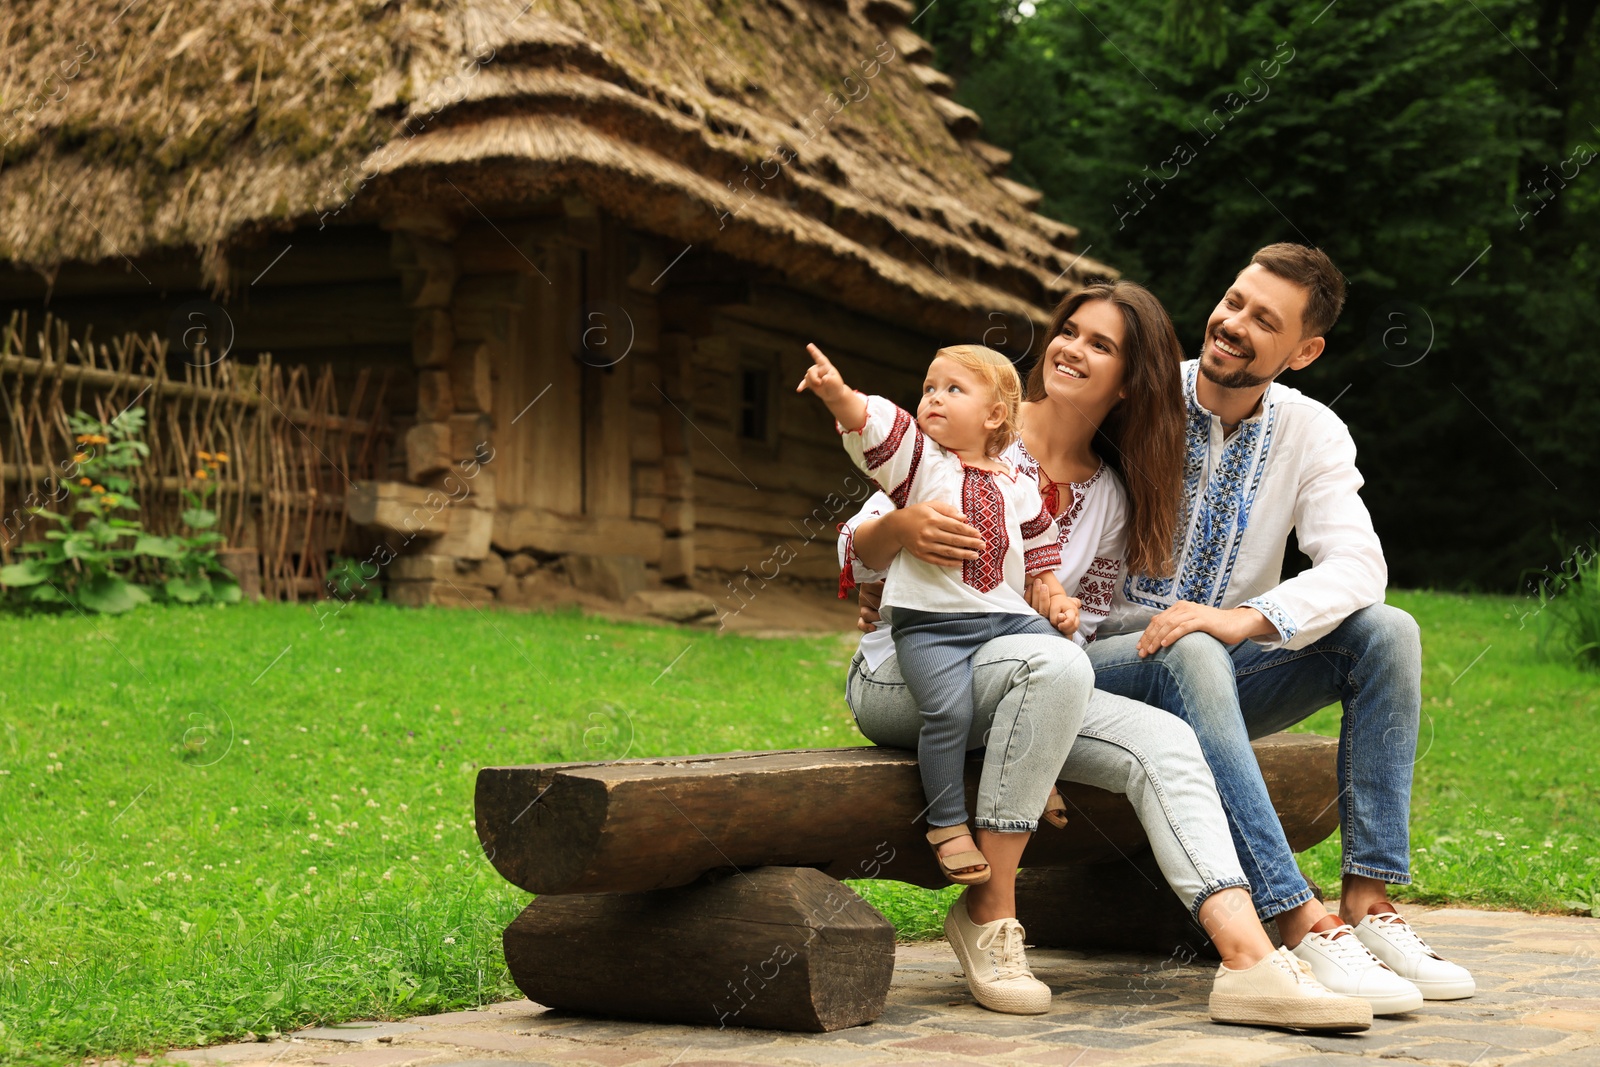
(869, 595)
(1230, 626)
(848, 406)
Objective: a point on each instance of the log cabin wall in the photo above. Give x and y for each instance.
(310, 296)
(771, 478)
(642, 397)
(556, 302)
(635, 398)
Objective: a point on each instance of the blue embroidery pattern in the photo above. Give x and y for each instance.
(1216, 516)
(1275, 615)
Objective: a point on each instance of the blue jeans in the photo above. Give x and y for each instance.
(1031, 694)
(936, 651)
(1371, 664)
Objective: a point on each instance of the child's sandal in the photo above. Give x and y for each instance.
(1055, 810)
(952, 865)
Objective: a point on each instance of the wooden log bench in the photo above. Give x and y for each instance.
(707, 889)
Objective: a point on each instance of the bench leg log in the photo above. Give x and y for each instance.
(782, 948)
(1125, 905)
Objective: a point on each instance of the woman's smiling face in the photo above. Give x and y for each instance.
(1084, 362)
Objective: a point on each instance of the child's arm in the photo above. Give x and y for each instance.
(881, 437)
(1063, 610)
(848, 406)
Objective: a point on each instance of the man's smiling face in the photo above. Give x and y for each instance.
(1254, 332)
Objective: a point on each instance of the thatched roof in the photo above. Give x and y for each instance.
(806, 136)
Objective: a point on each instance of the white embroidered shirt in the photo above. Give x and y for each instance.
(1291, 466)
(1091, 536)
(1020, 535)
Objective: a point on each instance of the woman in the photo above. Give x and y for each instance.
(1102, 430)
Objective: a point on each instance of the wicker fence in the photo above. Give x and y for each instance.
(295, 446)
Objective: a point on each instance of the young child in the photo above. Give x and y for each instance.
(940, 616)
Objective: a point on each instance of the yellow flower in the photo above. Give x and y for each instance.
(203, 455)
(85, 481)
(98, 489)
(221, 457)
(82, 438)
(201, 474)
(80, 457)
(111, 500)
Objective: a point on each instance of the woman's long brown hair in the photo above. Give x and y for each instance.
(1142, 437)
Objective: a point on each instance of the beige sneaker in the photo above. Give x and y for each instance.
(991, 955)
(1282, 991)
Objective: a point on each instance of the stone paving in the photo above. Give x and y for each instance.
(1538, 1002)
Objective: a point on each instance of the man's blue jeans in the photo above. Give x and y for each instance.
(1371, 664)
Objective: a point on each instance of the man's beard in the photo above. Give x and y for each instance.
(1236, 379)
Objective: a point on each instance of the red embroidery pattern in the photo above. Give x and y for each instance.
(1043, 558)
(847, 573)
(1079, 495)
(1036, 525)
(1096, 595)
(879, 455)
(902, 492)
(1105, 567)
(1098, 584)
(985, 509)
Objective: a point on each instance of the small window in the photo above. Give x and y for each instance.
(755, 404)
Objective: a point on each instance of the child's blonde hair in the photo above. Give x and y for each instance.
(1004, 383)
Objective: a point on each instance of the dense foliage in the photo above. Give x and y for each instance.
(1444, 154)
(93, 557)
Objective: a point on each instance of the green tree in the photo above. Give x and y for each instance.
(1435, 150)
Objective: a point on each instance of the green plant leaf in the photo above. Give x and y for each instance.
(188, 590)
(160, 547)
(199, 518)
(225, 592)
(28, 572)
(111, 595)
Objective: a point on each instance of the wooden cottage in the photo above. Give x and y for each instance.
(589, 239)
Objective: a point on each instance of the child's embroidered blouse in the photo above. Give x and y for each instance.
(1018, 532)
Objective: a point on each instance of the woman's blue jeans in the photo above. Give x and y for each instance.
(1371, 664)
(1031, 697)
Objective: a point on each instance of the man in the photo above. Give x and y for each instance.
(1238, 653)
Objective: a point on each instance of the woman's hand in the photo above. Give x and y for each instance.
(869, 596)
(938, 533)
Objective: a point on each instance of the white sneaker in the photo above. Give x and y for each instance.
(1391, 939)
(1281, 990)
(1342, 963)
(991, 955)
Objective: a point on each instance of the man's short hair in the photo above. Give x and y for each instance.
(1313, 271)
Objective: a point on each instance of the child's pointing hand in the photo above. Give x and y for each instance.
(821, 377)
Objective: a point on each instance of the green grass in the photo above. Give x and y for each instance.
(223, 821)
(1503, 795)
